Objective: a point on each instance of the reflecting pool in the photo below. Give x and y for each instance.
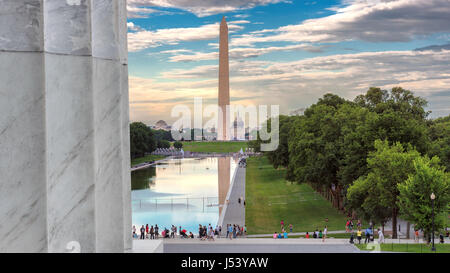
(184, 192)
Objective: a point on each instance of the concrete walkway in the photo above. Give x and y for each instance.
(296, 233)
(258, 246)
(233, 212)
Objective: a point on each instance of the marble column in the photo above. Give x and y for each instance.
(64, 126)
(23, 223)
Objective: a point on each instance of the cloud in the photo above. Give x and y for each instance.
(131, 26)
(374, 21)
(239, 53)
(147, 38)
(434, 47)
(298, 83)
(203, 8)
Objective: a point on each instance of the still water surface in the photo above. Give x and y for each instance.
(183, 192)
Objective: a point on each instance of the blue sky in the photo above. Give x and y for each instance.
(288, 53)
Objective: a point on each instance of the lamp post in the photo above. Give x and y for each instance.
(432, 196)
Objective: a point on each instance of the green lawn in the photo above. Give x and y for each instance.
(416, 248)
(148, 158)
(270, 198)
(213, 146)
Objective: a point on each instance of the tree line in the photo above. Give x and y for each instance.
(144, 140)
(378, 156)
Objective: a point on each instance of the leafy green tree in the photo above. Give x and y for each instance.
(163, 144)
(178, 144)
(389, 166)
(439, 133)
(141, 140)
(414, 194)
(363, 197)
(401, 116)
(314, 147)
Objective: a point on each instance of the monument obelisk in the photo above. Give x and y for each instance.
(224, 81)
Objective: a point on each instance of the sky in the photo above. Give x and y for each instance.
(285, 52)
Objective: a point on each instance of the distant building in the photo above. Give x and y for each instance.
(161, 125)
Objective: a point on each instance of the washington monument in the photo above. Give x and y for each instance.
(224, 81)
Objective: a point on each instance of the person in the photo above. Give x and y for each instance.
(359, 225)
(380, 236)
(152, 233)
(156, 231)
(307, 235)
(441, 238)
(282, 223)
(279, 236)
(285, 235)
(325, 230)
(359, 235)
(367, 234)
(172, 232)
(211, 234)
(315, 234)
(351, 226)
(352, 238)
(245, 230)
(234, 231)
(134, 231)
(142, 232)
(290, 228)
(275, 235)
(320, 234)
(239, 200)
(347, 226)
(191, 235)
(230, 230)
(146, 231)
(416, 236)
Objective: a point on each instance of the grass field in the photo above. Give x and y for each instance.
(214, 147)
(270, 199)
(148, 158)
(415, 248)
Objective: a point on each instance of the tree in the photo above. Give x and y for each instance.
(439, 133)
(280, 157)
(414, 194)
(389, 166)
(178, 144)
(163, 144)
(141, 140)
(362, 196)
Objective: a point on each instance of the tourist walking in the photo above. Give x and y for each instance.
(325, 230)
(156, 231)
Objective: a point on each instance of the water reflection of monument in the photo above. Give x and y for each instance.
(223, 166)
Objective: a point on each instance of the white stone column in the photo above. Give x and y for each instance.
(69, 124)
(108, 126)
(126, 180)
(64, 144)
(22, 128)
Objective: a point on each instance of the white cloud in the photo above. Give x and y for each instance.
(298, 83)
(203, 8)
(375, 21)
(147, 38)
(238, 53)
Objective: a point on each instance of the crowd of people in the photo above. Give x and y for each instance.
(204, 232)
